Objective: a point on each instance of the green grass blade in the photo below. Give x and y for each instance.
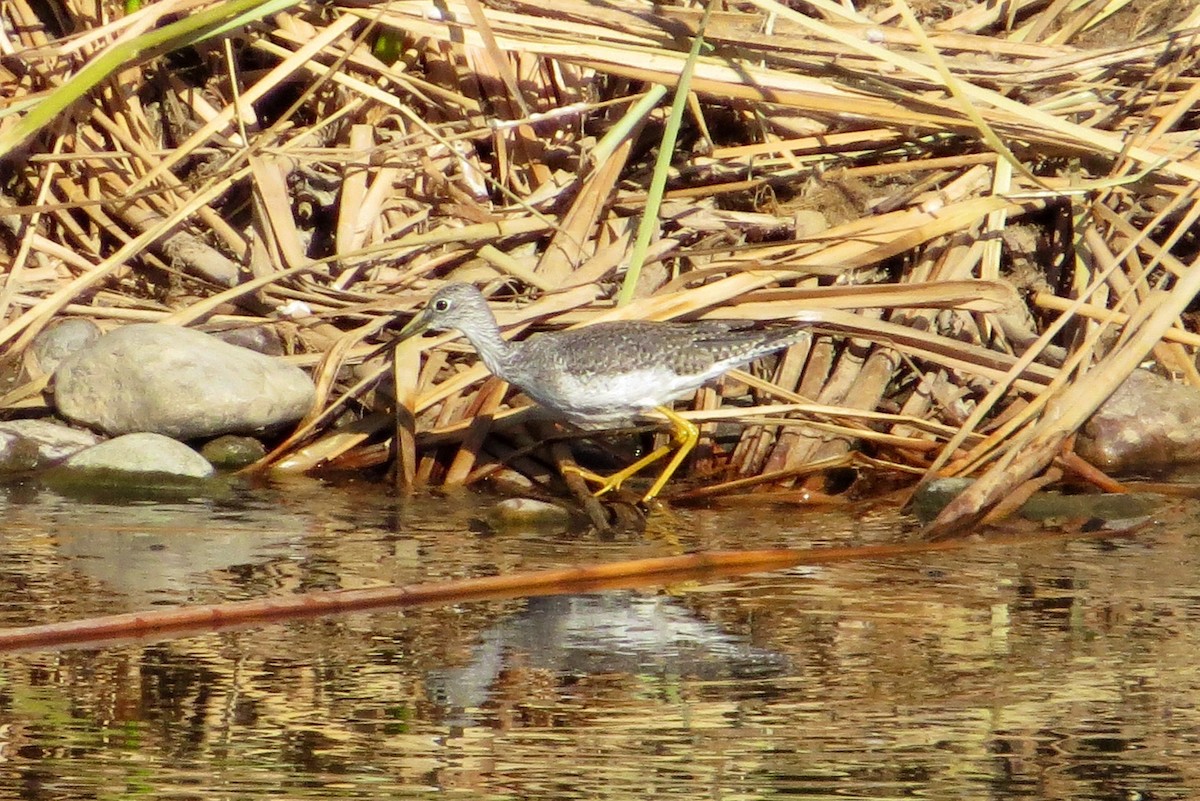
(214, 21)
(666, 149)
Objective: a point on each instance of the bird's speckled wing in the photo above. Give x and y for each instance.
(611, 371)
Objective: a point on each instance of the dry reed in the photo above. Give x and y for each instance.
(992, 195)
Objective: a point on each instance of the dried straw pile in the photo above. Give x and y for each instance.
(986, 200)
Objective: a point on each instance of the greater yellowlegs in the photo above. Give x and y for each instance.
(605, 375)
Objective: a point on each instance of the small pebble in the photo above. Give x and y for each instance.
(513, 513)
(231, 452)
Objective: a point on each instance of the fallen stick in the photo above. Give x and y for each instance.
(560, 581)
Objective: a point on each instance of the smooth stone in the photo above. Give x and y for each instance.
(264, 339)
(1108, 506)
(142, 453)
(1148, 422)
(178, 382)
(513, 513)
(134, 468)
(34, 444)
(59, 341)
(231, 451)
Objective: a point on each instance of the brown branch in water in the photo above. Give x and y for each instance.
(706, 565)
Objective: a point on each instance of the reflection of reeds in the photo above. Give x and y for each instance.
(943, 185)
(704, 566)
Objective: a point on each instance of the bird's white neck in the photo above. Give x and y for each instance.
(493, 349)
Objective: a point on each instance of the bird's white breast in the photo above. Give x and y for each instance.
(608, 398)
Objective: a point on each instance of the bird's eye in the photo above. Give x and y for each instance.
(441, 305)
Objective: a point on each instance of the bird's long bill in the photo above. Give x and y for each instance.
(416, 325)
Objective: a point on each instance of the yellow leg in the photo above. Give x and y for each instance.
(613, 482)
(684, 436)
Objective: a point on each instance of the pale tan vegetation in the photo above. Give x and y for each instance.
(1002, 194)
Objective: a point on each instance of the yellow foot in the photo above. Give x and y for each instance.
(605, 483)
(684, 435)
(609, 483)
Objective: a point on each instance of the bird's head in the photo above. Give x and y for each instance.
(454, 306)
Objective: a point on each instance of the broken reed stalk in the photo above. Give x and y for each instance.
(854, 150)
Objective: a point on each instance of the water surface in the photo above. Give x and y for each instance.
(1056, 670)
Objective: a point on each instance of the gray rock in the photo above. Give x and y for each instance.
(177, 382)
(1148, 422)
(260, 338)
(1106, 506)
(526, 513)
(231, 451)
(142, 453)
(33, 444)
(59, 341)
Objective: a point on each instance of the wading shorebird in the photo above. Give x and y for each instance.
(605, 375)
